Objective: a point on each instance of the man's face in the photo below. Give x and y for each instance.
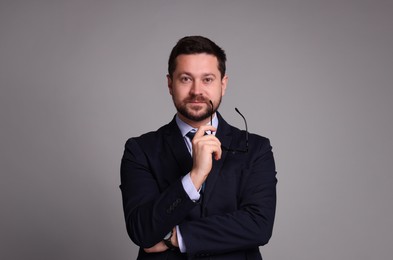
(195, 81)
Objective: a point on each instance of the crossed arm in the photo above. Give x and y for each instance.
(148, 220)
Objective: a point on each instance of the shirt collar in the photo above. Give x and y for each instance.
(185, 128)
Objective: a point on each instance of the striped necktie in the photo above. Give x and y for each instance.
(191, 134)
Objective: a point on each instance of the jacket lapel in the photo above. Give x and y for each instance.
(179, 149)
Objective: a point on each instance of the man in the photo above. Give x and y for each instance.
(211, 195)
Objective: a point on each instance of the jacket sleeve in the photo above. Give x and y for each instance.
(251, 224)
(150, 212)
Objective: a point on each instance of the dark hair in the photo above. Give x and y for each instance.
(196, 45)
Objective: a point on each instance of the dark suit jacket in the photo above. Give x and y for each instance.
(232, 219)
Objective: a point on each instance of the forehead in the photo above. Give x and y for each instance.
(201, 63)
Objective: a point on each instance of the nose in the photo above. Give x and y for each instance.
(196, 88)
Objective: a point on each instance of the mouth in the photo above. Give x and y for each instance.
(197, 101)
(196, 105)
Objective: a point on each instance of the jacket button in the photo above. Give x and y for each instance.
(177, 202)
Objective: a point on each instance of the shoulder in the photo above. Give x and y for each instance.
(149, 137)
(153, 138)
(256, 142)
(238, 135)
(260, 142)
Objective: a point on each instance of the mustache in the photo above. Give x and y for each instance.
(198, 99)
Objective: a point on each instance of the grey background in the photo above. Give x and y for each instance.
(79, 77)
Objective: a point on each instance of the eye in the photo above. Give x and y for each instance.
(208, 80)
(185, 79)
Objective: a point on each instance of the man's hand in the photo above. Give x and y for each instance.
(174, 240)
(161, 247)
(204, 147)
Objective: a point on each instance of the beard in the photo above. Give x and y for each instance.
(196, 113)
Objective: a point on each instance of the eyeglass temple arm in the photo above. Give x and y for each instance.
(245, 122)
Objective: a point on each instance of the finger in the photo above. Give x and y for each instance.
(217, 153)
(159, 247)
(201, 130)
(174, 238)
(205, 142)
(206, 139)
(212, 146)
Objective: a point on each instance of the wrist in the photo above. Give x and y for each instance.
(170, 241)
(196, 179)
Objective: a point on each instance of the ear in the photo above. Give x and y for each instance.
(169, 80)
(224, 83)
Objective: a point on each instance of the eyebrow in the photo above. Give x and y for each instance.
(203, 75)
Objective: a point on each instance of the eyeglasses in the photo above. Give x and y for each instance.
(245, 122)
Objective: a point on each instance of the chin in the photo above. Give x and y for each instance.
(194, 112)
(197, 117)
(198, 113)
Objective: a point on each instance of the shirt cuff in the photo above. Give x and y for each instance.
(182, 246)
(189, 187)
